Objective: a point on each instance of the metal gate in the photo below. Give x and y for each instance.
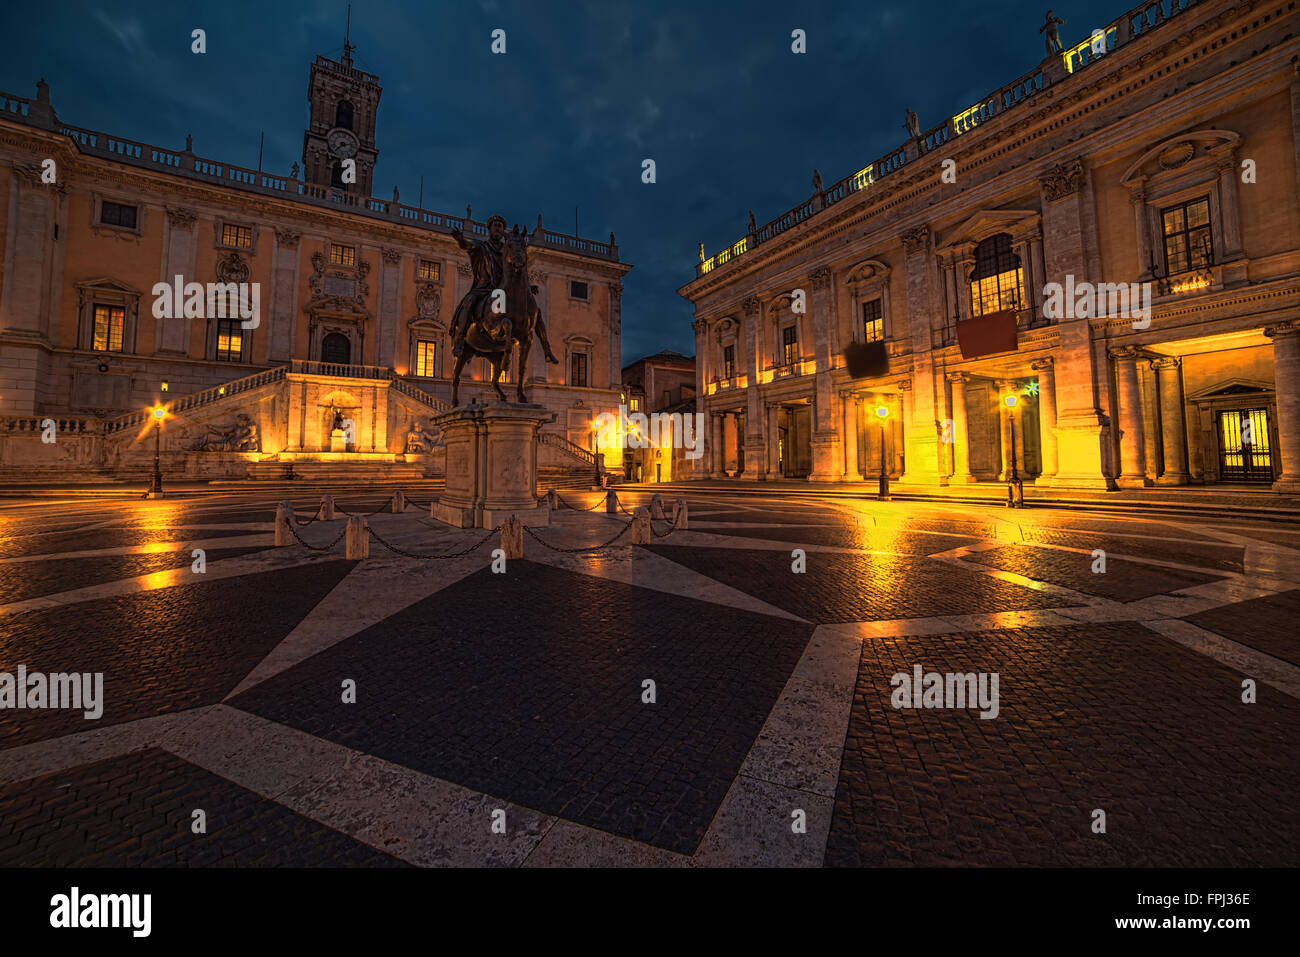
(1244, 446)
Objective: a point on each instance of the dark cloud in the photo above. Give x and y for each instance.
(586, 91)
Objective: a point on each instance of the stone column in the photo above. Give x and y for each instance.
(826, 437)
(1047, 420)
(1139, 201)
(1005, 426)
(773, 442)
(1040, 276)
(904, 423)
(718, 467)
(282, 308)
(850, 439)
(1173, 432)
(1286, 378)
(960, 433)
(1132, 473)
(701, 360)
(179, 247)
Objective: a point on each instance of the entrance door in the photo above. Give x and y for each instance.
(336, 348)
(1244, 452)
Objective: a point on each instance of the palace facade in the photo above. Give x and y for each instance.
(906, 316)
(355, 298)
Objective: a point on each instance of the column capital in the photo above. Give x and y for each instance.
(751, 305)
(1166, 362)
(700, 327)
(1043, 364)
(821, 278)
(914, 239)
(905, 386)
(958, 376)
(1125, 353)
(1283, 330)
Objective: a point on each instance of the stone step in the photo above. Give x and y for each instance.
(336, 471)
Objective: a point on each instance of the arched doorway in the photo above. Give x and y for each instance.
(336, 348)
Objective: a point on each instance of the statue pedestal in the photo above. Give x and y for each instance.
(338, 442)
(491, 465)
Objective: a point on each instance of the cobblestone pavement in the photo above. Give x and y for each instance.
(726, 695)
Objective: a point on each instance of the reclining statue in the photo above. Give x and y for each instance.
(240, 437)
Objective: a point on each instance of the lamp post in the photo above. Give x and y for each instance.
(882, 413)
(156, 488)
(1015, 487)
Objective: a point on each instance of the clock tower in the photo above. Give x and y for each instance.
(344, 101)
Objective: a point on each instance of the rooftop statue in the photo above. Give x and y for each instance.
(1053, 36)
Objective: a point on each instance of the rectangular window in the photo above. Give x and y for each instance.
(873, 321)
(425, 354)
(1187, 237)
(578, 369)
(230, 340)
(634, 405)
(577, 290)
(109, 324)
(789, 346)
(429, 270)
(343, 255)
(238, 236)
(728, 361)
(116, 214)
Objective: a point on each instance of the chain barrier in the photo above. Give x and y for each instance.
(575, 508)
(672, 527)
(405, 554)
(340, 508)
(589, 548)
(319, 548)
(319, 509)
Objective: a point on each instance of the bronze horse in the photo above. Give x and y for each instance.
(493, 336)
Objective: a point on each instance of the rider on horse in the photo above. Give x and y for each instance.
(485, 261)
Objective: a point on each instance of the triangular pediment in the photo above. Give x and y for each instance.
(108, 284)
(1231, 387)
(990, 222)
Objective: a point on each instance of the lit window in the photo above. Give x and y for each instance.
(997, 282)
(634, 405)
(429, 270)
(873, 321)
(1187, 237)
(343, 255)
(240, 236)
(728, 361)
(425, 354)
(116, 214)
(578, 369)
(109, 323)
(230, 340)
(578, 290)
(789, 346)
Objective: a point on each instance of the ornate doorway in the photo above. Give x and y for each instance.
(336, 348)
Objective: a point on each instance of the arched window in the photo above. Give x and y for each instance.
(336, 348)
(997, 281)
(343, 114)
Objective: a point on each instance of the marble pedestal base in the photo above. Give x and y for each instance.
(491, 465)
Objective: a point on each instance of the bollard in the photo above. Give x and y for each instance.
(553, 500)
(639, 534)
(399, 502)
(611, 503)
(656, 506)
(679, 515)
(327, 507)
(284, 524)
(512, 537)
(358, 538)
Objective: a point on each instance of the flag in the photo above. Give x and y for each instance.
(987, 335)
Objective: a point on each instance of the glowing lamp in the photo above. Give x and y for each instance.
(1010, 400)
(882, 411)
(159, 412)
(164, 385)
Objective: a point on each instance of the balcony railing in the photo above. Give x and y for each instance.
(1139, 21)
(187, 164)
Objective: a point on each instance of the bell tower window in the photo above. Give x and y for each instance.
(343, 115)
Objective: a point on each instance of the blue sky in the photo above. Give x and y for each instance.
(585, 92)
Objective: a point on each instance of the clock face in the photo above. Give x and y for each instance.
(342, 143)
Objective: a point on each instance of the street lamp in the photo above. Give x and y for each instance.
(882, 413)
(1015, 487)
(156, 488)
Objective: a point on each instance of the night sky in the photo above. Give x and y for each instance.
(586, 91)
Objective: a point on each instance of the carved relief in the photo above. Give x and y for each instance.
(181, 218)
(428, 300)
(1062, 180)
(288, 238)
(915, 239)
(232, 268)
(391, 256)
